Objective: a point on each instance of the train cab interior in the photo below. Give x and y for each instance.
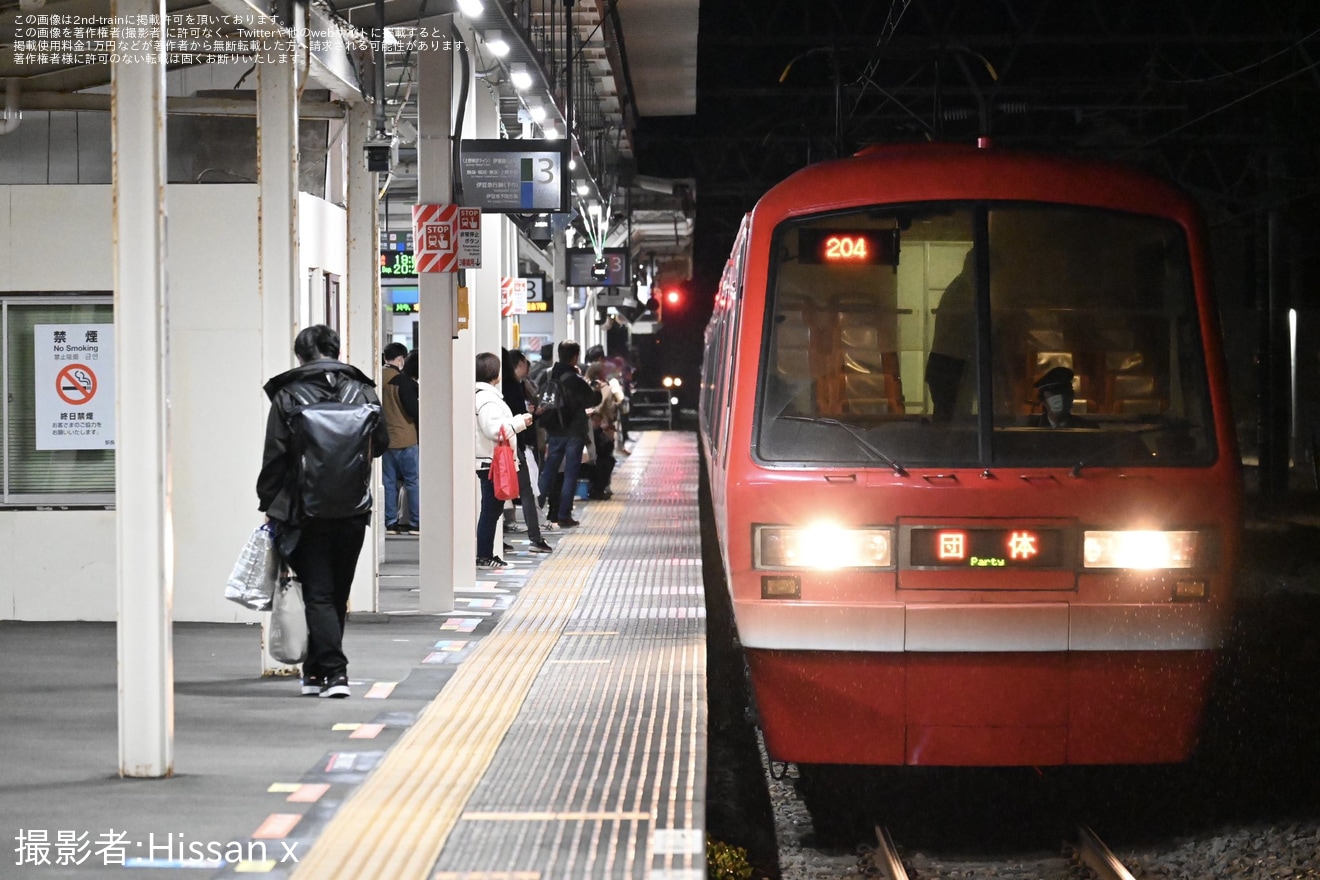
(872, 327)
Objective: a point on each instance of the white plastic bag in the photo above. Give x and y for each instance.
(256, 573)
(288, 623)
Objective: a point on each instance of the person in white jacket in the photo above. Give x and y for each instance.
(494, 422)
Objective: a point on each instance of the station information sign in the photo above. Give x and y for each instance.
(539, 294)
(612, 268)
(398, 264)
(515, 176)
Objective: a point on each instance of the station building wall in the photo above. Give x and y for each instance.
(60, 564)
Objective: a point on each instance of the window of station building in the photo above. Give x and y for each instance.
(57, 422)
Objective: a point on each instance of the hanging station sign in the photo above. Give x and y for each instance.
(515, 176)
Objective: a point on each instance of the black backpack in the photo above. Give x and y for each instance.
(332, 439)
(553, 403)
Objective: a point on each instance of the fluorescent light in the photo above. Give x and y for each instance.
(520, 77)
(537, 112)
(495, 42)
(471, 8)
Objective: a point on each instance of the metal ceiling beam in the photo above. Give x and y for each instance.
(330, 66)
(175, 106)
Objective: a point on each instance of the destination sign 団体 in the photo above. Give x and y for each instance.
(987, 548)
(513, 177)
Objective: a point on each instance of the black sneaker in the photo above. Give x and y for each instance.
(393, 528)
(541, 547)
(336, 686)
(508, 548)
(569, 523)
(312, 685)
(490, 562)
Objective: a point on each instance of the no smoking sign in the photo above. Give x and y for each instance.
(74, 385)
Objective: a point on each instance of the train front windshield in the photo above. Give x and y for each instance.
(965, 334)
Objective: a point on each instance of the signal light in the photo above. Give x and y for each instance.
(673, 297)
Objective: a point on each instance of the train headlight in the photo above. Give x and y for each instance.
(822, 546)
(1144, 550)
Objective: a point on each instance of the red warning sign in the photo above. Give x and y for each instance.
(76, 384)
(446, 237)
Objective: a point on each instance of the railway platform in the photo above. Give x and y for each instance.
(552, 726)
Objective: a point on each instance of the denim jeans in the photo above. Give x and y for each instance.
(489, 517)
(565, 448)
(399, 464)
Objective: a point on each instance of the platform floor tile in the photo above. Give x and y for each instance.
(572, 743)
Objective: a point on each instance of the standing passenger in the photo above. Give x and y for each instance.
(321, 547)
(494, 423)
(399, 400)
(515, 396)
(564, 441)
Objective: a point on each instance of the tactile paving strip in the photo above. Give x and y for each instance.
(594, 683)
(602, 775)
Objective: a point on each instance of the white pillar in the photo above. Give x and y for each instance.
(277, 227)
(445, 516)
(362, 334)
(487, 325)
(143, 533)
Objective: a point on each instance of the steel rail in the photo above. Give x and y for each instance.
(1098, 857)
(886, 856)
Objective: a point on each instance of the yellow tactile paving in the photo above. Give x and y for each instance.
(396, 823)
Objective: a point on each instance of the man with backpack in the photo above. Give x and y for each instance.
(324, 428)
(563, 414)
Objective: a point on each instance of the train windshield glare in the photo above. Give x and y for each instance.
(1087, 322)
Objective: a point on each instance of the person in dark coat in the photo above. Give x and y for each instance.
(513, 386)
(323, 553)
(564, 441)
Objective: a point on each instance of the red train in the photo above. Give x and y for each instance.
(965, 423)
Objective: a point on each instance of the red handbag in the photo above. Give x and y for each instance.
(504, 470)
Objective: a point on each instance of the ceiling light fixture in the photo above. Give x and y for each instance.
(551, 133)
(495, 42)
(520, 77)
(583, 189)
(537, 112)
(471, 8)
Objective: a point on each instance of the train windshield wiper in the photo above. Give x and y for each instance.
(855, 434)
(1118, 444)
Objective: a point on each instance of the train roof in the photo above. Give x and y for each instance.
(923, 172)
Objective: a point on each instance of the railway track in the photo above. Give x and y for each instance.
(1087, 847)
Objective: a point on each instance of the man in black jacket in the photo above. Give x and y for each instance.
(564, 441)
(322, 551)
